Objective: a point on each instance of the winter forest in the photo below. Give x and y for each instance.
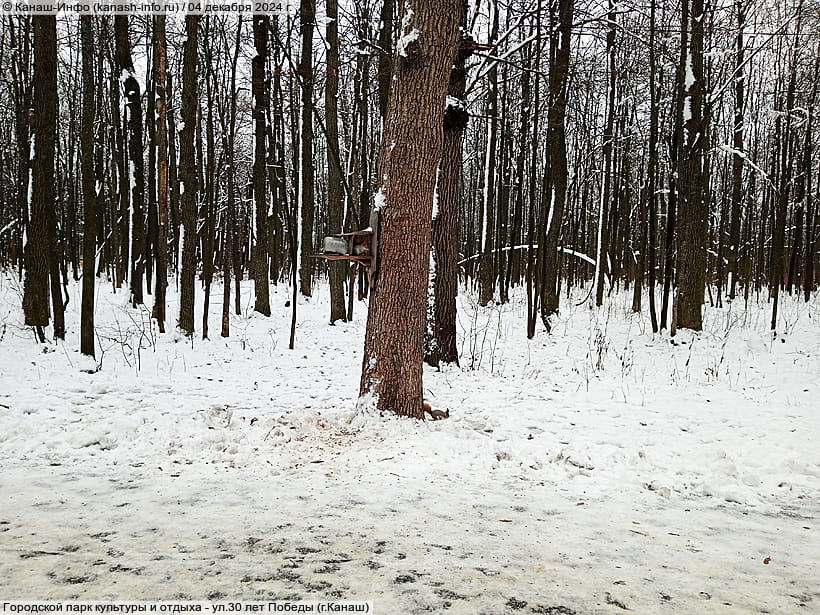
(240, 252)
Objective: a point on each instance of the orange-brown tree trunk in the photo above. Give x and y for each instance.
(409, 155)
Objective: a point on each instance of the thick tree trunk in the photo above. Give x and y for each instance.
(152, 221)
(652, 167)
(89, 188)
(230, 256)
(441, 342)
(38, 250)
(409, 156)
(261, 24)
(161, 248)
(555, 188)
(136, 166)
(693, 223)
(189, 184)
(307, 12)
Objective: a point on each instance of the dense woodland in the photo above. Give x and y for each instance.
(668, 148)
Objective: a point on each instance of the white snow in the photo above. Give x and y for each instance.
(455, 103)
(731, 150)
(408, 16)
(551, 209)
(410, 35)
(405, 41)
(30, 187)
(380, 200)
(689, 79)
(593, 466)
(435, 193)
(687, 109)
(525, 246)
(8, 227)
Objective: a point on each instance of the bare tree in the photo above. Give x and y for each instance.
(188, 175)
(442, 344)
(161, 106)
(555, 179)
(39, 248)
(603, 258)
(335, 193)
(307, 15)
(737, 144)
(136, 174)
(489, 204)
(89, 189)
(409, 156)
(786, 175)
(261, 25)
(693, 209)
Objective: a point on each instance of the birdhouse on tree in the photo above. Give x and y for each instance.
(359, 247)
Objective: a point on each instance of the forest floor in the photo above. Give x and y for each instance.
(595, 470)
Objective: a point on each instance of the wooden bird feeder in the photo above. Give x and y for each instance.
(358, 247)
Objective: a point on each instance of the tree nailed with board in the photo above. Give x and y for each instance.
(409, 156)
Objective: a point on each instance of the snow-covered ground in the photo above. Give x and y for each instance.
(596, 469)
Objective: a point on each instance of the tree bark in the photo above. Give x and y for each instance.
(136, 166)
(209, 187)
(811, 198)
(89, 189)
(307, 12)
(161, 248)
(261, 24)
(555, 186)
(737, 157)
(442, 344)
(409, 156)
(487, 260)
(230, 256)
(693, 223)
(38, 250)
(189, 184)
(652, 168)
(786, 173)
(603, 259)
(337, 270)
(22, 87)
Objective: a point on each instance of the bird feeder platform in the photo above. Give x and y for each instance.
(358, 247)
